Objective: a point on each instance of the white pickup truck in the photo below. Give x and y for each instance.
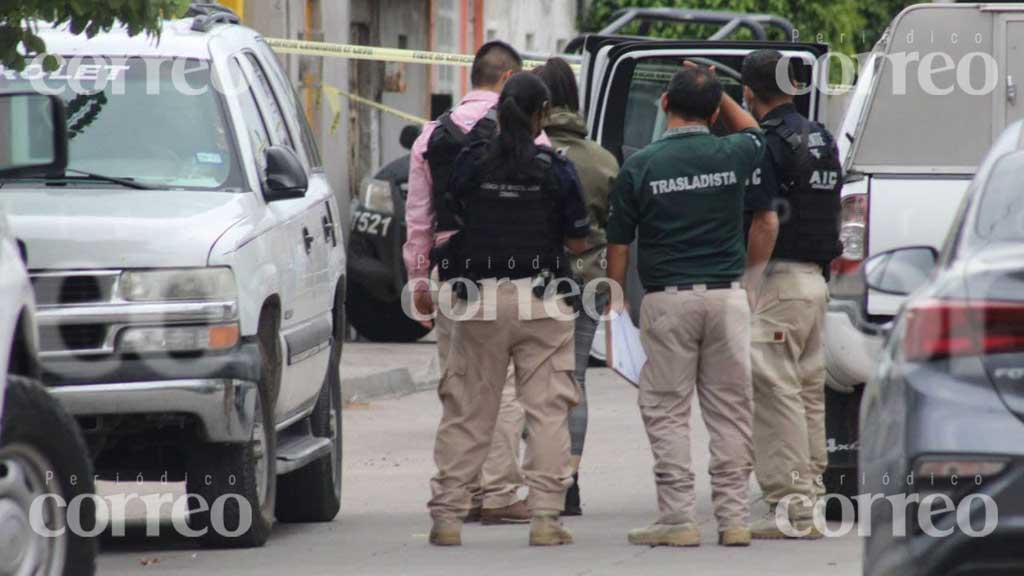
(935, 93)
(44, 464)
(189, 271)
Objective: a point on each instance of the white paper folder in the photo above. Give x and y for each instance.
(626, 355)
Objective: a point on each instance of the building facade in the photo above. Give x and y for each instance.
(367, 138)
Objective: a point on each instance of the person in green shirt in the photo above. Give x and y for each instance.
(682, 199)
(596, 169)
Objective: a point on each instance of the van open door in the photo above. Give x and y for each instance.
(623, 80)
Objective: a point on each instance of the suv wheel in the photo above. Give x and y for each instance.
(313, 493)
(41, 438)
(237, 483)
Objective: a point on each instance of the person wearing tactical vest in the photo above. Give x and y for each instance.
(597, 169)
(519, 206)
(681, 199)
(798, 187)
(429, 225)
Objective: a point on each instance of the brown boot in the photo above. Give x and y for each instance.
(446, 532)
(516, 513)
(473, 516)
(735, 536)
(547, 530)
(665, 535)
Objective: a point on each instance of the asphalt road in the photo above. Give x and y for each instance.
(383, 526)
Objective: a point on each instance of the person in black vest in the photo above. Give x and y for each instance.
(796, 195)
(429, 225)
(518, 206)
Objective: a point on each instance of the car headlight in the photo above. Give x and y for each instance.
(178, 338)
(376, 196)
(183, 284)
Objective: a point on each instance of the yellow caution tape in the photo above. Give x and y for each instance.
(334, 95)
(377, 53)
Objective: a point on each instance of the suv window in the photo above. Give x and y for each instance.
(186, 142)
(645, 121)
(642, 119)
(254, 125)
(291, 104)
(1001, 211)
(268, 104)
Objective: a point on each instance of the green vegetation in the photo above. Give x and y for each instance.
(19, 42)
(850, 26)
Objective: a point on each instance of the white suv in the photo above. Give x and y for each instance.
(188, 267)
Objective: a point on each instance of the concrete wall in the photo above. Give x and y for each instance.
(535, 26)
(406, 86)
(334, 148)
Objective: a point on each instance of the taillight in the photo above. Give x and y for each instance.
(853, 225)
(942, 329)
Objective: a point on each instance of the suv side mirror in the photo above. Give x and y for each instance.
(286, 178)
(901, 271)
(33, 134)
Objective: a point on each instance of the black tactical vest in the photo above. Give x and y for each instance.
(810, 177)
(446, 141)
(511, 226)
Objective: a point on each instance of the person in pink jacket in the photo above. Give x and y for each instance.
(428, 225)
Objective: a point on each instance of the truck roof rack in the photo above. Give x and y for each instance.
(207, 15)
(727, 22)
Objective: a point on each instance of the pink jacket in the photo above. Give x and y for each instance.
(419, 207)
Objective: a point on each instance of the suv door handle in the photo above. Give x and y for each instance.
(308, 239)
(329, 231)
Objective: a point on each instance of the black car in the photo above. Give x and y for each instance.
(376, 272)
(943, 420)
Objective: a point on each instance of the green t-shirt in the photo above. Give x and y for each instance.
(684, 194)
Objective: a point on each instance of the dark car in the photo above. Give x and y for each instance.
(943, 420)
(376, 272)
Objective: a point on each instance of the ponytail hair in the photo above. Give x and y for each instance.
(512, 150)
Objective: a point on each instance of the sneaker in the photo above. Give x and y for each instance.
(446, 532)
(547, 530)
(516, 513)
(666, 535)
(767, 528)
(735, 536)
(572, 498)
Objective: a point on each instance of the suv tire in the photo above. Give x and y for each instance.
(228, 477)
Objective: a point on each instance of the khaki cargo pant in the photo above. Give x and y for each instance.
(698, 340)
(471, 387)
(500, 478)
(788, 363)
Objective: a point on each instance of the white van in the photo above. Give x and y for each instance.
(937, 90)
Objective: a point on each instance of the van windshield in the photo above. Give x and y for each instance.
(156, 121)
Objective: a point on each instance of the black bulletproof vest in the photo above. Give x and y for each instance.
(810, 177)
(446, 141)
(511, 226)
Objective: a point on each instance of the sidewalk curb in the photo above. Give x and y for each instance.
(393, 383)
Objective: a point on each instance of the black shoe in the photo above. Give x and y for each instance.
(572, 498)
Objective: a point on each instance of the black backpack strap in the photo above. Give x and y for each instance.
(453, 129)
(783, 131)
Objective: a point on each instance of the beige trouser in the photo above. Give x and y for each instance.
(788, 363)
(471, 390)
(698, 340)
(500, 478)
